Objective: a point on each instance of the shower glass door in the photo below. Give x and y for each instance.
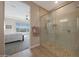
(59, 31)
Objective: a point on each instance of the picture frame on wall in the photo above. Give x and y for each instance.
(8, 26)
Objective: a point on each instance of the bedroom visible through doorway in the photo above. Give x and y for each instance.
(16, 27)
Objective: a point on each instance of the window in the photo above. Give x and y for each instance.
(22, 27)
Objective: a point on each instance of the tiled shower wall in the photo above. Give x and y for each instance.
(60, 30)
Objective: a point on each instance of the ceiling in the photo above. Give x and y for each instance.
(50, 5)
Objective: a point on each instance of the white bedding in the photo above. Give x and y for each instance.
(13, 37)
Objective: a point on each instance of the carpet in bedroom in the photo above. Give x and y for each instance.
(15, 47)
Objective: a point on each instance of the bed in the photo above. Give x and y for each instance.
(12, 37)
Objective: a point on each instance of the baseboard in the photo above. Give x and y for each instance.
(36, 45)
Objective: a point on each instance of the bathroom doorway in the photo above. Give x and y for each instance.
(16, 27)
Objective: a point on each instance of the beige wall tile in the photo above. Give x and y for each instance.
(1, 28)
(2, 51)
(36, 12)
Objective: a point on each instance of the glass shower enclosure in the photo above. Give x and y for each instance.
(60, 30)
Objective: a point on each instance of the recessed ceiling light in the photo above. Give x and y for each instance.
(56, 2)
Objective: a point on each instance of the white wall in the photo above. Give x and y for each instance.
(15, 12)
(9, 22)
(12, 22)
